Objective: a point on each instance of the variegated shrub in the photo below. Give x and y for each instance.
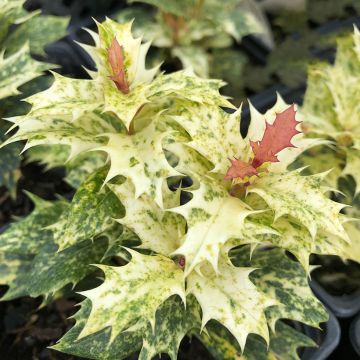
(186, 241)
(199, 34)
(332, 112)
(21, 34)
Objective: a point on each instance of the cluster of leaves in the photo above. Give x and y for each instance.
(167, 218)
(296, 42)
(199, 34)
(332, 113)
(22, 34)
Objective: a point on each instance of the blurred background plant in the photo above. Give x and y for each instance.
(23, 38)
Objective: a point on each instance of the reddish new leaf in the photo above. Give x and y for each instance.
(116, 60)
(276, 137)
(239, 169)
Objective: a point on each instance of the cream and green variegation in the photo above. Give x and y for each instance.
(332, 112)
(177, 247)
(21, 35)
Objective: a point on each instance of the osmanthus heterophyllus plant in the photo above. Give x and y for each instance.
(332, 112)
(157, 131)
(21, 36)
(199, 34)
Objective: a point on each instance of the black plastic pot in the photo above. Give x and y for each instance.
(343, 306)
(355, 334)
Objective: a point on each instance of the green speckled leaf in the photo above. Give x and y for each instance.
(283, 344)
(141, 158)
(286, 282)
(301, 197)
(50, 156)
(9, 165)
(214, 133)
(13, 270)
(213, 217)
(91, 212)
(172, 322)
(52, 270)
(232, 299)
(132, 292)
(331, 109)
(80, 135)
(17, 69)
(71, 97)
(39, 31)
(158, 230)
(79, 169)
(28, 235)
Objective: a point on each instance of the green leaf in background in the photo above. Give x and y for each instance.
(91, 212)
(39, 31)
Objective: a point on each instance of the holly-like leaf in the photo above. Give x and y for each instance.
(286, 282)
(277, 136)
(22, 241)
(284, 344)
(66, 97)
(158, 230)
(232, 299)
(132, 292)
(52, 270)
(17, 69)
(172, 322)
(91, 212)
(28, 235)
(301, 197)
(140, 157)
(213, 217)
(218, 139)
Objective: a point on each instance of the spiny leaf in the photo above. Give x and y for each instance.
(277, 136)
(301, 197)
(213, 217)
(132, 292)
(140, 157)
(172, 322)
(66, 97)
(17, 69)
(214, 133)
(91, 212)
(286, 282)
(28, 235)
(51, 270)
(284, 344)
(158, 230)
(232, 299)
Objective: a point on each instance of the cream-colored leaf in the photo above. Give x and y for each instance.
(232, 299)
(132, 292)
(158, 230)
